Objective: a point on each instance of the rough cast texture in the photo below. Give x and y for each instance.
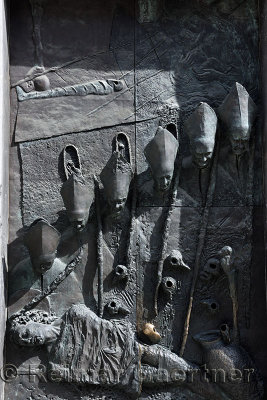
(157, 200)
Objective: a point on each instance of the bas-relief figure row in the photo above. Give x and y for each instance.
(136, 204)
(108, 294)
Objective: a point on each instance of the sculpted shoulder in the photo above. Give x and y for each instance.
(23, 276)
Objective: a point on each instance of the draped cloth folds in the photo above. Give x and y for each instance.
(92, 350)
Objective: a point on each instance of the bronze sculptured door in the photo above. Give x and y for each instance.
(136, 248)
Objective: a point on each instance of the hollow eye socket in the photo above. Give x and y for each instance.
(174, 260)
(169, 283)
(213, 306)
(45, 266)
(172, 128)
(113, 304)
(213, 266)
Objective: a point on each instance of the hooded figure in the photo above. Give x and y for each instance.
(116, 178)
(238, 113)
(77, 200)
(201, 128)
(42, 240)
(161, 154)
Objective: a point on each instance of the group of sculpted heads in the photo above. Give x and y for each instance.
(42, 239)
(237, 114)
(115, 177)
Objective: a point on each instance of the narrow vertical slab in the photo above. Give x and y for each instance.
(4, 145)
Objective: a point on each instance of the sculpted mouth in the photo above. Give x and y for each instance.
(208, 336)
(203, 164)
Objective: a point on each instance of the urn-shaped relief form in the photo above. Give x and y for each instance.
(229, 366)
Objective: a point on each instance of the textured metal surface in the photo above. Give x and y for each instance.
(158, 201)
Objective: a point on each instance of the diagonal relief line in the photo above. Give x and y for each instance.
(124, 91)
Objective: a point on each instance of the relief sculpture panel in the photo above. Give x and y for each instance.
(136, 257)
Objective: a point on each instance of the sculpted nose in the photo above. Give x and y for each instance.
(165, 181)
